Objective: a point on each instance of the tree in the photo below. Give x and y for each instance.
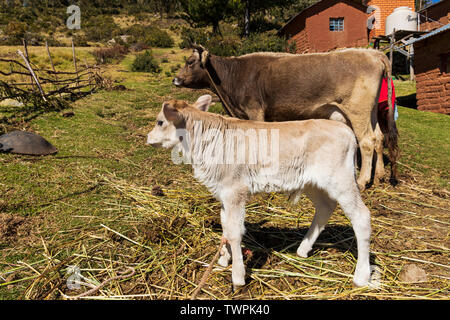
(251, 8)
(202, 13)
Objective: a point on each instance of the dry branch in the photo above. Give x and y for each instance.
(32, 74)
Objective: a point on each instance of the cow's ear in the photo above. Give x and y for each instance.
(203, 102)
(171, 113)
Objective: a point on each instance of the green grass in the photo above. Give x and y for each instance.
(424, 138)
(106, 135)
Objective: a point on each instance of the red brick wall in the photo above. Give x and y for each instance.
(386, 8)
(432, 64)
(300, 38)
(438, 12)
(310, 30)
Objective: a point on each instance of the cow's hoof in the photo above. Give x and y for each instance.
(361, 186)
(393, 181)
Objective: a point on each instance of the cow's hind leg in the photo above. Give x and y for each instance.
(379, 147)
(324, 207)
(367, 146)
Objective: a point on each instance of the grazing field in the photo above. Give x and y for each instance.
(106, 203)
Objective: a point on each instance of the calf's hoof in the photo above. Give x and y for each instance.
(360, 282)
(223, 261)
(238, 281)
(237, 287)
(361, 279)
(303, 250)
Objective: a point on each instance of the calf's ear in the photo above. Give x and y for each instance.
(171, 113)
(203, 102)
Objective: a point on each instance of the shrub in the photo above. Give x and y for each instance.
(138, 47)
(265, 42)
(52, 42)
(145, 62)
(101, 28)
(14, 32)
(107, 55)
(190, 35)
(259, 24)
(232, 45)
(80, 41)
(150, 35)
(224, 46)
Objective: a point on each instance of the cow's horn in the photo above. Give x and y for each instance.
(197, 47)
(205, 56)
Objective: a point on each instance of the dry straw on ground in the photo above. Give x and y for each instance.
(168, 238)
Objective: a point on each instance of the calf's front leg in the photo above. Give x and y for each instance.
(233, 229)
(225, 251)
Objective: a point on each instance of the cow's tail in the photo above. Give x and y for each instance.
(392, 132)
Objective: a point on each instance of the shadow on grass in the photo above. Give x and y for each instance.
(263, 240)
(26, 205)
(409, 101)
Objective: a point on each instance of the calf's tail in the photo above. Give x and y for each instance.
(392, 132)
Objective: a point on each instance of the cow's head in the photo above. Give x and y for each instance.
(165, 134)
(193, 74)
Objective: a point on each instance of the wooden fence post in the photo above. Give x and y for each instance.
(75, 61)
(53, 66)
(391, 50)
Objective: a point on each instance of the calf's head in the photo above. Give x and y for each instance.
(170, 119)
(193, 74)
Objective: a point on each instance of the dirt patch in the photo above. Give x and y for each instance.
(12, 226)
(15, 227)
(157, 191)
(413, 274)
(163, 228)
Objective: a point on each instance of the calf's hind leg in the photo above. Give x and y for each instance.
(324, 208)
(359, 215)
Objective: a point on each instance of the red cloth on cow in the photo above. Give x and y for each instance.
(382, 101)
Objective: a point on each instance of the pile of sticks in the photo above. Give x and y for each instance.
(46, 87)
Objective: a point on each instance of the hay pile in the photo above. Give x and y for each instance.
(156, 242)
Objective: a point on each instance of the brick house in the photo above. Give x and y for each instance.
(435, 15)
(383, 9)
(327, 25)
(432, 59)
(332, 24)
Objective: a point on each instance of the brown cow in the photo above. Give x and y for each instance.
(341, 85)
